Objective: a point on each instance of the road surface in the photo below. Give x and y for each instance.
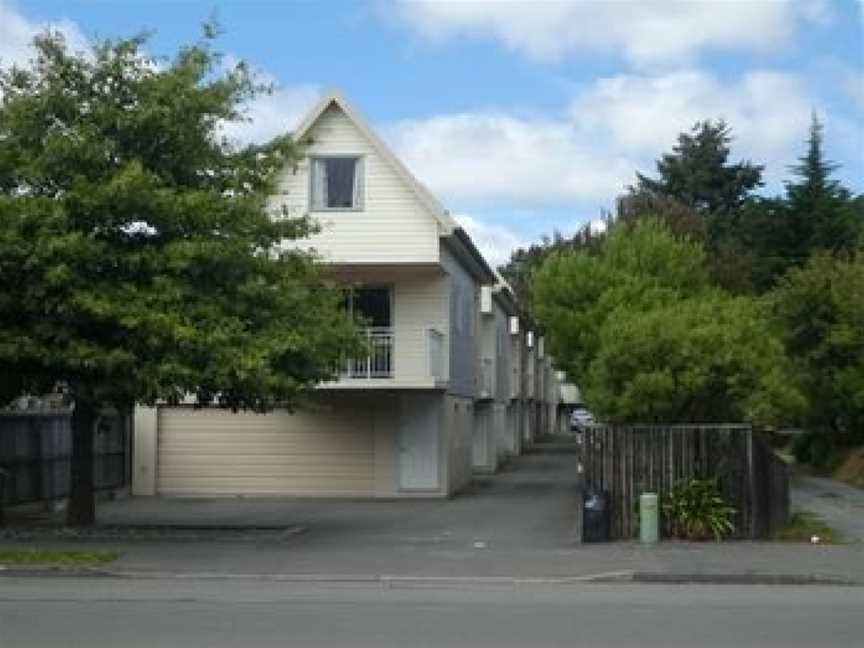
(102, 612)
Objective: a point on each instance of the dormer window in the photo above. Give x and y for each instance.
(337, 183)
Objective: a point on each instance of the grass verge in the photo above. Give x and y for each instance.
(55, 558)
(803, 525)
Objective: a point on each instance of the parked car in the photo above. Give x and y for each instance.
(580, 418)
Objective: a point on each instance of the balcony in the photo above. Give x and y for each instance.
(421, 363)
(379, 362)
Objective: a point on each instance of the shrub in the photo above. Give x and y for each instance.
(818, 449)
(694, 509)
(801, 446)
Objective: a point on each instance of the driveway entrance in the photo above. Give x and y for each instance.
(531, 503)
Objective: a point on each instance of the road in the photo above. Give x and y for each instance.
(97, 612)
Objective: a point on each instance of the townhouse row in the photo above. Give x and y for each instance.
(453, 383)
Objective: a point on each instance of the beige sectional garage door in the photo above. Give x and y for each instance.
(216, 452)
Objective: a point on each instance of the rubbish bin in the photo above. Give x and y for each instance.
(648, 519)
(595, 516)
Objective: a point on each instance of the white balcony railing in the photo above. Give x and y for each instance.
(379, 362)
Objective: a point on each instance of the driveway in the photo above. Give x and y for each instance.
(520, 523)
(840, 505)
(531, 503)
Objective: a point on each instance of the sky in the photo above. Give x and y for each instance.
(524, 117)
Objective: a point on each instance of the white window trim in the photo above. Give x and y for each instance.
(356, 156)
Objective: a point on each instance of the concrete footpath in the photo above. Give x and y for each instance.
(517, 525)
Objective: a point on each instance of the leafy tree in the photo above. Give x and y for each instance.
(698, 193)
(524, 262)
(708, 358)
(639, 264)
(140, 260)
(816, 213)
(697, 172)
(821, 310)
(647, 337)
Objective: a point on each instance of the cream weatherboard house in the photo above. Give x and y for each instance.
(444, 391)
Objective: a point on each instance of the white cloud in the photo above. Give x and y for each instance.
(496, 242)
(17, 32)
(269, 114)
(768, 112)
(645, 32)
(273, 114)
(853, 85)
(597, 225)
(494, 156)
(613, 127)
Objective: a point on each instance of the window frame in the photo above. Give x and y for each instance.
(391, 294)
(358, 157)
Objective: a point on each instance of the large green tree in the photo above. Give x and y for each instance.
(816, 213)
(697, 172)
(140, 259)
(698, 192)
(708, 358)
(642, 330)
(821, 309)
(524, 262)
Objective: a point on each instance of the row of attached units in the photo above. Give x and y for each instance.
(453, 383)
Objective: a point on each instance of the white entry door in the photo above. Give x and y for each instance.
(419, 442)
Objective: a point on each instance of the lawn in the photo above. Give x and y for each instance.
(55, 558)
(803, 525)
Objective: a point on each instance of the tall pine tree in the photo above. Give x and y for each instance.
(820, 213)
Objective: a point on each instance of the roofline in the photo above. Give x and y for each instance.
(504, 294)
(448, 223)
(487, 272)
(449, 227)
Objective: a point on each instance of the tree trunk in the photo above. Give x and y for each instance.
(82, 504)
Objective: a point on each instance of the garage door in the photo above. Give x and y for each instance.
(217, 452)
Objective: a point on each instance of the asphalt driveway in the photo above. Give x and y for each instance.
(531, 503)
(840, 505)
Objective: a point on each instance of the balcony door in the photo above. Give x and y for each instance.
(372, 309)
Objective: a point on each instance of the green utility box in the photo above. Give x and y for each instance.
(649, 517)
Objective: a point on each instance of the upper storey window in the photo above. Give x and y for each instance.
(337, 183)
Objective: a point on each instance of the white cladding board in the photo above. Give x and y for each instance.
(327, 452)
(393, 226)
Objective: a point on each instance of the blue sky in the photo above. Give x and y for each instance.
(526, 117)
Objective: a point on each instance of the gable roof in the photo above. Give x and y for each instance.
(448, 225)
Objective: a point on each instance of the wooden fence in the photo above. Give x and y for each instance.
(626, 461)
(36, 449)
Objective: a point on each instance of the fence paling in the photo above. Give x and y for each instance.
(626, 461)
